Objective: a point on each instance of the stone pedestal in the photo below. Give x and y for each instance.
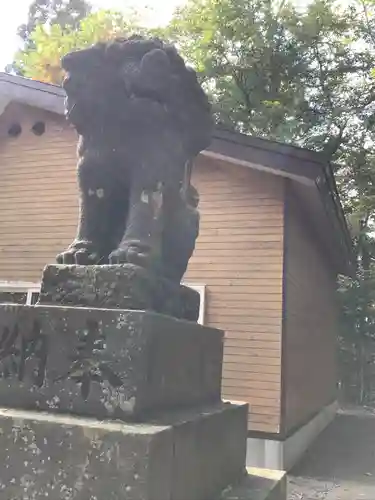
(106, 363)
(192, 457)
(124, 286)
(110, 403)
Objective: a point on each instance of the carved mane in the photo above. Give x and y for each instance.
(126, 77)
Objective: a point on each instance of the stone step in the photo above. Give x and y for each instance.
(192, 457)
(106, 363)
(259, 484)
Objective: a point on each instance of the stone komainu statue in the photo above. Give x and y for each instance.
(142, 117)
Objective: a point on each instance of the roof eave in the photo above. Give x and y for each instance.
(301, 166)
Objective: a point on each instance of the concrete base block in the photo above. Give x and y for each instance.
(105, 363)
(283, 455)
(67, 458)
(260, 484)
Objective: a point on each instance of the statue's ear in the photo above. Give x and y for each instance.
(155, 69)
(82, 60)
(66, 62)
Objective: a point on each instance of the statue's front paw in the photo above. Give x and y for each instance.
(131, 254)
(80, 253)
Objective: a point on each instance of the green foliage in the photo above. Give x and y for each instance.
(64, 13)
(50, 43)
(248, 61)
(272, 70)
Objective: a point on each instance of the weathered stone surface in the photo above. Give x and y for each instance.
(72, 459)
(117, 287)
(67, 458)
(210, 451)
(105, 363)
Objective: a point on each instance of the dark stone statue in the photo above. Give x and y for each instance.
(117, 343)
(142, 117)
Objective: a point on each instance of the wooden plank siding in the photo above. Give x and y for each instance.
(239, 253)
(310, 329)
(38, 196)
(239, 258)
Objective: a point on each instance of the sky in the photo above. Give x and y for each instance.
(14, 12)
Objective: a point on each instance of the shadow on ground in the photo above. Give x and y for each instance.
(340, 465)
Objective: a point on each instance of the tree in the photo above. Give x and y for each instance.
(304, 76)
(67, 14)
(41, 61)
(246, 57)
(269, 68)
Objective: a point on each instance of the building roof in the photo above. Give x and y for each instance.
(310, 175)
